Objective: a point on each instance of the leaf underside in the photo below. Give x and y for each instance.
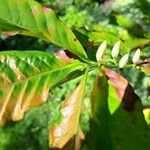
(27, 17)
(25, 80)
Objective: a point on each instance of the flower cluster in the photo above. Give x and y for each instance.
(115, 53)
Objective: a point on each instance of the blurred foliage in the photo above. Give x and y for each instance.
(128, 20)
(20, 42)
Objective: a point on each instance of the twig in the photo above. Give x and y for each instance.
(146, 61)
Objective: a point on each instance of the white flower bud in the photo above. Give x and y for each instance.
(115, 50)
(123, 61)
(100, 51)
(136, 56)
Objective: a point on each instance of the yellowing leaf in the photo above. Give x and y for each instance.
(69, 127)
(146, 112)
(25, 80)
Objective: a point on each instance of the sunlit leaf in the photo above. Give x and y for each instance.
(25, 80)
(124, 21)
(146, 112)
(137, 42)
(28, 17)
(69, 128)
(130, 43)
(117, 115)
(111, 39)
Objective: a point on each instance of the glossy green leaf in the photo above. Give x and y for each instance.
(69, 127)
(117, 121)
(28, 17)
(82, 36)
(25, 80)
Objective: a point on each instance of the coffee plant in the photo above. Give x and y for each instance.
(118, 120)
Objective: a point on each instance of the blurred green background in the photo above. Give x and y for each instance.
(128, 18)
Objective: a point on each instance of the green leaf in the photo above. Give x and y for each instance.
(82, 36)
(111, 39)
(144, 6)
(25, 80)
(128, 23)
(124, 21)
(137, 42)
(146, 112)
(117, 121)
(28, 17)
(69, 127)
(146, 70)
(117, 33)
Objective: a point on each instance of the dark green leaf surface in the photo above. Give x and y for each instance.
(99, 128)
(28, 17)
(117, 115)
(25, 80)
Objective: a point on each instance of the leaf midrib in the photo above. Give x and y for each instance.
(14, 24)
(77, 65)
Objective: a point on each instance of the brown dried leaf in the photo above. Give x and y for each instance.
(69, 128)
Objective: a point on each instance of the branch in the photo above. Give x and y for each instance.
(146, 61)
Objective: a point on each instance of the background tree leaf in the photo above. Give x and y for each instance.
(98, 37)
(28, 17)
(69, 128)
(146, 70)
(117, 115)
(25, 80)
(114, 34)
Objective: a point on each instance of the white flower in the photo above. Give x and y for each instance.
(136, 56)
(100, 51)
(123, 61)
(115, 50)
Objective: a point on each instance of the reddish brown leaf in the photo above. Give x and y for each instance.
(123, 89)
